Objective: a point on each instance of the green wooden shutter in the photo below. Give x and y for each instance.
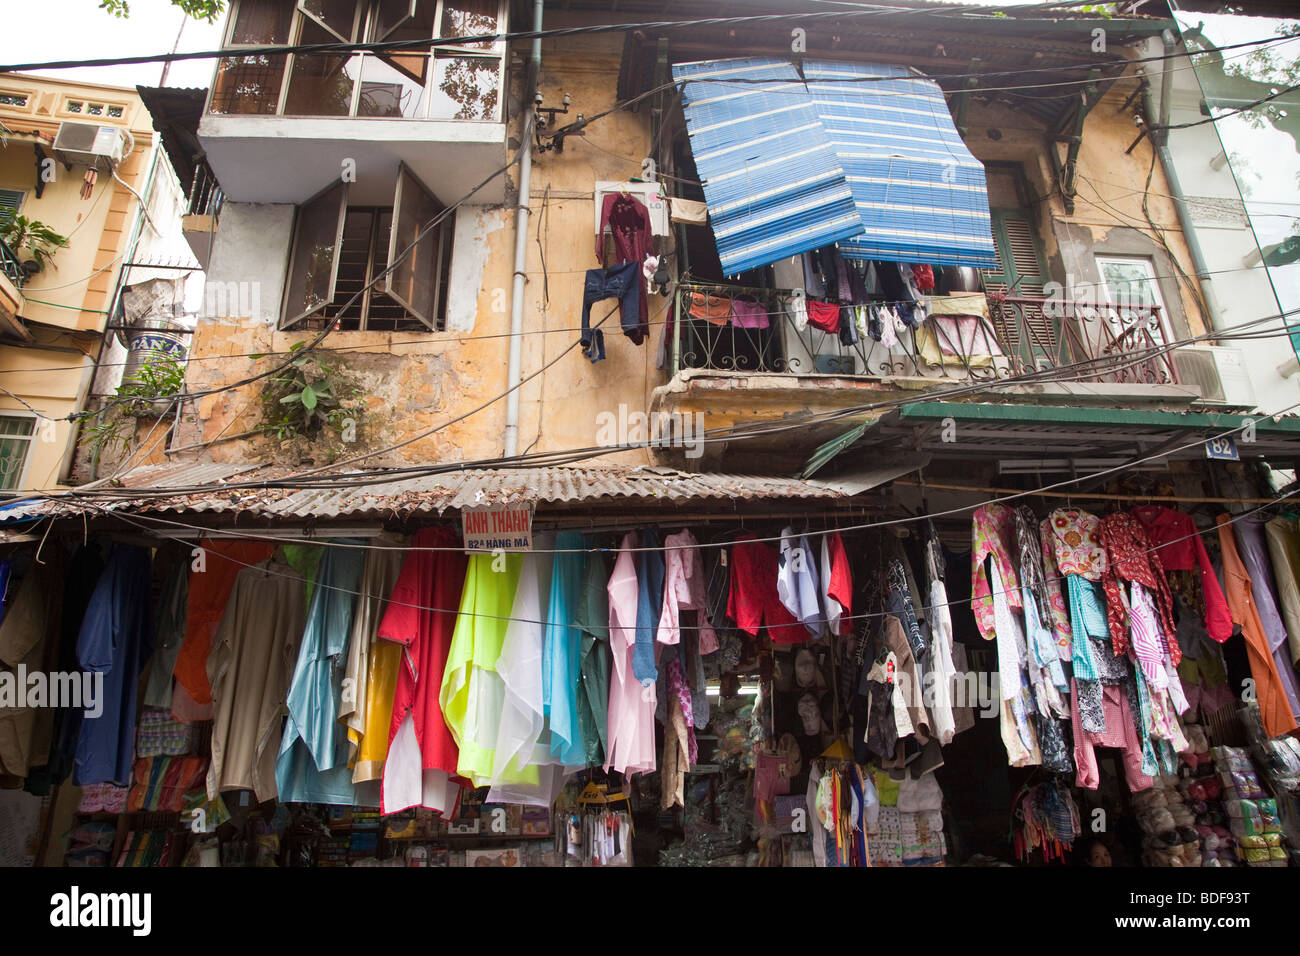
(1022, 273)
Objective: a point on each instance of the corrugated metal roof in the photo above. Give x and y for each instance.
(433, 494)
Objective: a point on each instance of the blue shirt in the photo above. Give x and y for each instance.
(312, 766)
(116, 637)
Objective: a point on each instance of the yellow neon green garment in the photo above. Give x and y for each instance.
(473, 694)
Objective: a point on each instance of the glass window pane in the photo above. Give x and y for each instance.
(315, 253)
(466, 88)
(248, 84)
(13, 452)
(16, 425)
(467, 18)
(262, 22)
(387, 89)
(391, 14)
(1130, 283)
(321, 84)
(414, 281)
(335, 15)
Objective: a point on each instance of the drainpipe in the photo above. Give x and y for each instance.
(1160, 141)
(521, 240)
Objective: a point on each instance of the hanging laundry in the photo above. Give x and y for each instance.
(684, 590)
(1179, 546)
(370, 674)
(560, 664)
(796, 307)
(1284, 548)
(622, 283)
(472, 694)
(631, 743)
(714, 309)
(251, 663)
(650, 571)
(836, 583)
(1130, 557)
(628, 221)
(753, 600)
(312, 764)
(1249, 532)
(169, 633)
(116, 638)
(523, 742)
(924, 277)
(748, 315)
(1059, 612)
(420, 618)
(209, 593)
(28, 638)
(824, 316)
(591, 617)
(796, 582)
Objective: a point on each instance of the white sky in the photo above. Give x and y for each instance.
(40, 30)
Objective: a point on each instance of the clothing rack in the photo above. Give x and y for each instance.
(1094, 496)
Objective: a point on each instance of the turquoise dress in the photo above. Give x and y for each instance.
(312, 766)
(561, 652)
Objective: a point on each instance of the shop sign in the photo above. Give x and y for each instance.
(1222, 448)
(498, 528)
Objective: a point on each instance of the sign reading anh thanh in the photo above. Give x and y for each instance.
(506, 527)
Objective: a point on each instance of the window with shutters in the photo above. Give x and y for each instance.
(1021, 274)
(11, 201)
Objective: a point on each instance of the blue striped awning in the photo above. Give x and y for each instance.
(771, 180)
(919, 191)
(861, 154)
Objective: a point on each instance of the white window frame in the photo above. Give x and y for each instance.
(363, 18)
(1153, 284)
(30, 439)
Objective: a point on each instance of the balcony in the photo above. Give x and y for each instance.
(199, 224)
(278, 128)
(12, 277)
(749, 376)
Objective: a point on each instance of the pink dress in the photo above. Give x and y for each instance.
(631, 714)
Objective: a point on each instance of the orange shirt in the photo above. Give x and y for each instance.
(209, 591)
(1274, 708)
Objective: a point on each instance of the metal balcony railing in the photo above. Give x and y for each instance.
(206, 196)
(1020, 335)
(11, 266)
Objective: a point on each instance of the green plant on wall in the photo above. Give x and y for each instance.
(310, 397)
(38, 240)
(150, 389)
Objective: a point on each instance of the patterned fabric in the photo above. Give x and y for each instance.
(1051, 738)
(159, 735)
(992, 528)
(1077, 543)
(900, 603)
(1132, 558)
(1030, 553)
(1088, 619)
(1059, 611)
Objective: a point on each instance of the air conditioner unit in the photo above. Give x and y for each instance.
(85, 144)
(1218, 372)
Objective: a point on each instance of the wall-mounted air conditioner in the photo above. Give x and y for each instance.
(1218, 372)
(648, 194)
(85, 144)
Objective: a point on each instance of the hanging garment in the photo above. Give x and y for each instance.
(622, 283)
(814, 278)
(28, 637)
(1053, 581)
(523, 737)
(560, 660)
(675, 764)
(367, 727)
(312, 766)
(796, 582)
(752, 598)
(209, 594)
(116, 638)
(941, 663)
(1076, 542)
(748, 315)
(631, 747)
(991, 532)
(796, 307)
(1284, 548)
(836, 584)
(628, 221)
(249, 669)
(1274, 707)
(1121, 733)
(1178, 544)
(1018, 733)
(1253, 551)
(823, 315)
(714, 309)
(591, 617)
(908, 682)
(420, 618)
(472, 694)
(1130, 557)
(650, 571)
(169, 634)
(684, 591)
